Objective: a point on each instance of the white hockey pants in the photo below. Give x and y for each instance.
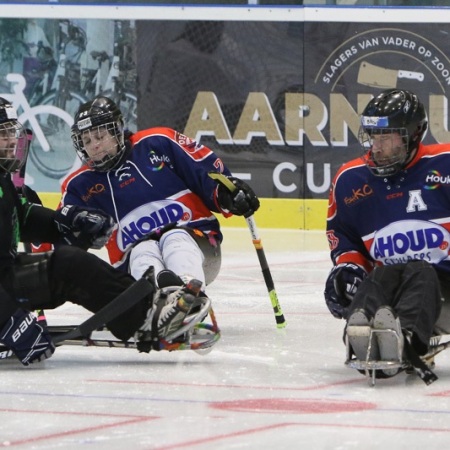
(176, 251)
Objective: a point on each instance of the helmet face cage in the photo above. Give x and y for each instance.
(13, 146)
(394, 141)
(98, 134)
(392, 113)
(100, 147)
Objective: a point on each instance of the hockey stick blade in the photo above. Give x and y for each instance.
(434, 350)
(279, 316)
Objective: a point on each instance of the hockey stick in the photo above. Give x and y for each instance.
(436, 347)
(257, 243)
(204, 337)
(201, 336)
(128, 298)
(18, 178)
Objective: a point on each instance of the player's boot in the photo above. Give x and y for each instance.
(168, 279)
(172, 314)
(358, 333)
(390, 338)
(166, 316)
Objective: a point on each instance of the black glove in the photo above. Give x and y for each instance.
(341, 286)
(29, 341)
(84, 227)
(241, 202)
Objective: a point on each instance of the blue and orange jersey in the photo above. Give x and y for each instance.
(386, 220)
(164, 179)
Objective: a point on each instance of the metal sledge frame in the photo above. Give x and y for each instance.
(437, 344)
(369, 366)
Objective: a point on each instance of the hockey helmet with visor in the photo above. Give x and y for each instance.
(392, 126)
(13, 139)
(98, 134)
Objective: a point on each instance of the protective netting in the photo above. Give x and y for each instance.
(231, 59)
(178, 59)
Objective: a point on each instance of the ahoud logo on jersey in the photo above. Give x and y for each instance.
(146, 218)
(409, 240)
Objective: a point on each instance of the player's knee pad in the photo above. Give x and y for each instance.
(182, 255)
(210, 248)
(31, 280)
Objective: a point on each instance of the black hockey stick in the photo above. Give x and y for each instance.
(67, 335)
(203, 336)
(127, 299)
(257, 243)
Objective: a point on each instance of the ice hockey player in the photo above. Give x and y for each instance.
(29, 282)
(155, 184)
(388, 231)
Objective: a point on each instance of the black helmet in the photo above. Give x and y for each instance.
(13, 139)
(393, 111)
(91, 120)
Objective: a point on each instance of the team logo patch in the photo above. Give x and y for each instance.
(157, 161)
(358, 195)
(93, 190)
(434, 179)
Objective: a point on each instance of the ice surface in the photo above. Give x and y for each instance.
(259, 388)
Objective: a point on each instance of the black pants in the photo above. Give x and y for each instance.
(71, 274)
(413, 292)
(443, 323)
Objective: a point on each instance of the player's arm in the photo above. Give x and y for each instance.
(75, 225)
(350, 258)
(38, 224)
(193, 163)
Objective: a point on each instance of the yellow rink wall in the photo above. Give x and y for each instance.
(296, 214)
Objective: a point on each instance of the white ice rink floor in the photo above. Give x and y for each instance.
(259, 388)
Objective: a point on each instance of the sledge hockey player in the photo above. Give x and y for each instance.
(29, 282)
(388, 231)
(155, 184)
